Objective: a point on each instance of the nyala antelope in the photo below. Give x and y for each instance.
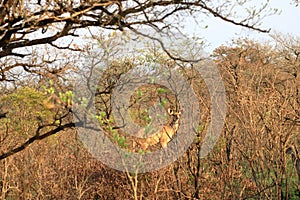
(164, 135)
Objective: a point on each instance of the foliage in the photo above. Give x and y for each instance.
(42, 51)
(24, 107)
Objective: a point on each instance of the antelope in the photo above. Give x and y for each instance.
(164, 135)
(52, 102)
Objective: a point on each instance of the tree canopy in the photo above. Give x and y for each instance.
(29, 23)
(43, 45)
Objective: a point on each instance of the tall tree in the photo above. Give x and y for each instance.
(30, 30)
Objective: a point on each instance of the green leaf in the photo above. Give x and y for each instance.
(161, 90)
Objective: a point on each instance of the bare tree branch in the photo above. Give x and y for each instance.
(16, 23)
(36, 137)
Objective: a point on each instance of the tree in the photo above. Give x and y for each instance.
(29, 23)
(40, 44)
(30, 31)
(256, 156)
(262, 126)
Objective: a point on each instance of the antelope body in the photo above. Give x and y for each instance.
(165, 134)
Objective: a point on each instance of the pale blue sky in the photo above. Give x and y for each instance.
(220, 32)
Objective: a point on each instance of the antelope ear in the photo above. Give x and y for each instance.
(170, 111)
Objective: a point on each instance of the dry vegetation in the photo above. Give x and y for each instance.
(41, 156)
(256, 156)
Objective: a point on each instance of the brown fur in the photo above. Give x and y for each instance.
(164, 135)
